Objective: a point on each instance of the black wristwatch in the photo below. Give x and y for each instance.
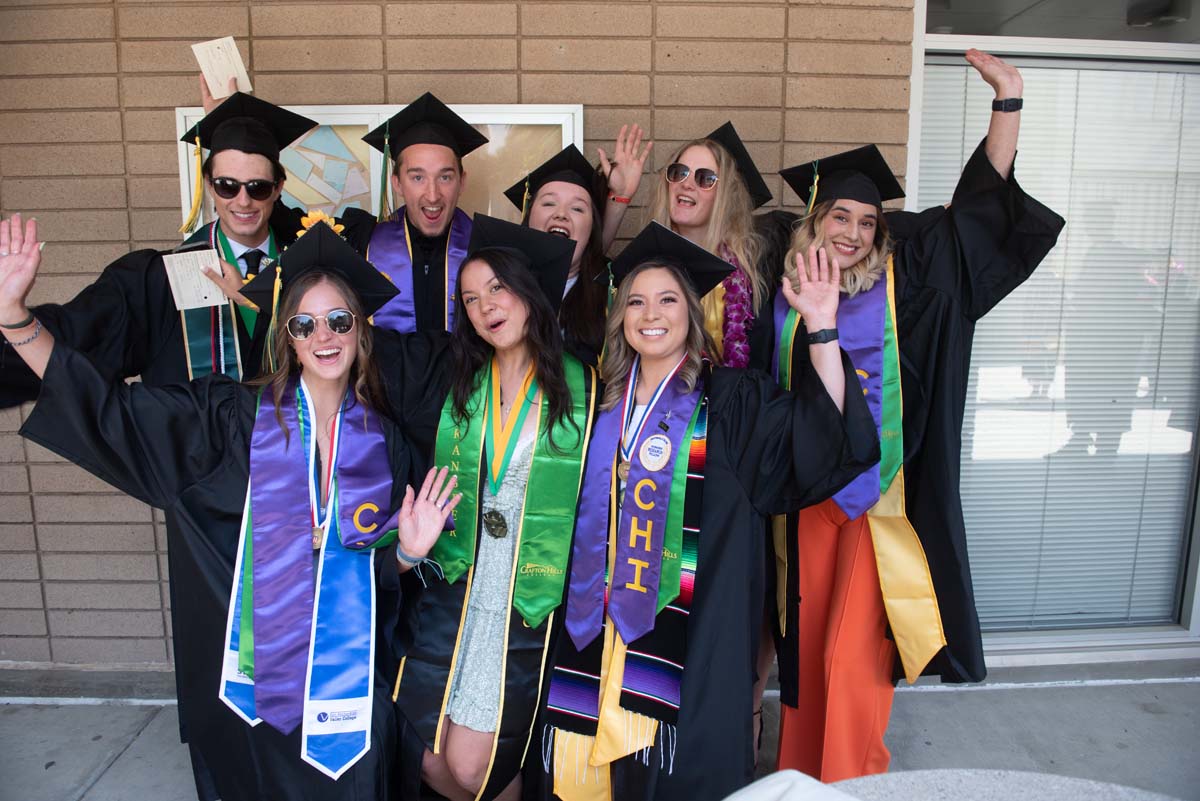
(822, 336)
(1008, 104)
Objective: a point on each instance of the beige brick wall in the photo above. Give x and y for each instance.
(87, 92)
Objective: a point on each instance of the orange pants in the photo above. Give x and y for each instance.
(845, 683)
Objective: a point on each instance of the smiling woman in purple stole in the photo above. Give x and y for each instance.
(651, 683)
(875, 582)
(512, 415)
(291, 485)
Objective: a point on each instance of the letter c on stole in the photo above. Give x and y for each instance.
(366, 507)
(637, 494)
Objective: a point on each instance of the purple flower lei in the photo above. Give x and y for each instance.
(738, 313)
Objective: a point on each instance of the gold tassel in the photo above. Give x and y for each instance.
(812, 192)
(271, 367)
(194, 215)
(525, 198)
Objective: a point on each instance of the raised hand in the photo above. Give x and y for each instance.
(20, 255)
(1004, 127)
(624, 172)
(423, 516)
(229, 280)
(815, 292)
(206, 98)
(1004, 78)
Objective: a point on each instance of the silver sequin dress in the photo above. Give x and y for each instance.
(475, 689)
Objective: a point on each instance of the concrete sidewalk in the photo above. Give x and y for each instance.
(91, 736)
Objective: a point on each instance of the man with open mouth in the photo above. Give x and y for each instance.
(421, 245)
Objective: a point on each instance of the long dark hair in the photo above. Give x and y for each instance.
(469, 354)
(364, 374)
(583, 309)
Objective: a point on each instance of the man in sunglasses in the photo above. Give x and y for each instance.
(127, 323)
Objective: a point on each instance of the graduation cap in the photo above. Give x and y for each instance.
(658, 243)
(425, 121)
(547, 256)
(861, 174)
(246, 123)
(567, 165)
(319, 248)
(727, 137)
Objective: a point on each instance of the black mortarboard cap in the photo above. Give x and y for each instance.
(861, 174)
(246, 123)
(547, 256)
(425, 121)
(727, 137)
(319, 248)
(567, 165)
(656, 242)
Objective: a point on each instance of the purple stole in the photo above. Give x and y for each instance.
(861, 325)
(391, 253)
(634, 589)
(281, 515)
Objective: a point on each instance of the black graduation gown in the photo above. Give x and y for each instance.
(186, 449)
(768, 452)
(951, 267)
(127, 324)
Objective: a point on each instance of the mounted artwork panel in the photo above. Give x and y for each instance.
(330, 168)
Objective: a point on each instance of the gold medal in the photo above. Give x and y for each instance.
(318, 537)
(495, 524)
(623, 470)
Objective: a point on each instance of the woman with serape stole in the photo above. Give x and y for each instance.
(881, 568)
(513, 416)
(292, 481)
(650, 692)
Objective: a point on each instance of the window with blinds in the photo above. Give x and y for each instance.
(1079, 437)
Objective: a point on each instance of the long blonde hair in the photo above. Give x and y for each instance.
(732, 221)
(809, 231)
(619, 354)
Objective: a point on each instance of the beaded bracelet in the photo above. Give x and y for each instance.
(37, 331)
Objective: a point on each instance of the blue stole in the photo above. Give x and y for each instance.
(299, 647)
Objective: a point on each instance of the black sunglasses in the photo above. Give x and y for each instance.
(303, 326)
(705, 178)
(229, 188)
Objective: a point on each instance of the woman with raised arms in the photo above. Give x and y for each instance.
(881, 569)
(292, 577)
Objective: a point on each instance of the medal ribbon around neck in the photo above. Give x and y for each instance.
(629, 407)
(320, 517)
(500, 439)
(551, 495)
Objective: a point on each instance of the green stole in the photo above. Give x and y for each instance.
(210, 337)
(548, 514)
